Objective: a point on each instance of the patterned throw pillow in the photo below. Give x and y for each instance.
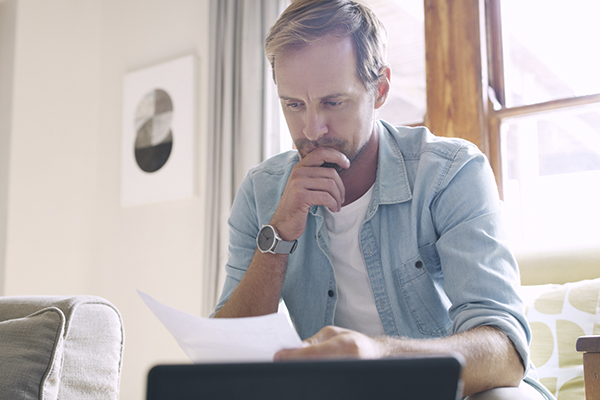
(558, 315)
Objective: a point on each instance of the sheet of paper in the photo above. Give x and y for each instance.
(217, 340)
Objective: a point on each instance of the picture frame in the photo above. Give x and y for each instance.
(158, 134)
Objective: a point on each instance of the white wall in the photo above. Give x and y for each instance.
(53, 171)
(66, 232)
(158, 248)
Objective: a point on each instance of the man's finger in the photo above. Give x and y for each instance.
(326, 157)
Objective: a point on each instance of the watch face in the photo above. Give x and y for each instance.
(266, 237)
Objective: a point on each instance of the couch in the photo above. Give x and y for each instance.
(60, 347)
(54, 347)
(562, 300)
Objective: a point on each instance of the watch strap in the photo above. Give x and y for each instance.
(284, 247)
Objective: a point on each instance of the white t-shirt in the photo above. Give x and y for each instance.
(355, 307)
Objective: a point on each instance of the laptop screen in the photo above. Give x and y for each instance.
(419, 378)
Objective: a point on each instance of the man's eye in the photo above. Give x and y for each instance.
(334, 103)
(293, 105)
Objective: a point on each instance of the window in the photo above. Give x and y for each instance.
(404, 22)
(551, 170)
(548, 121)
(549, 50)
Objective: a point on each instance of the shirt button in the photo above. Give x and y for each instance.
(419, 264)
(331, 293)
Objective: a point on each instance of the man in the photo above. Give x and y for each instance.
(381, 241)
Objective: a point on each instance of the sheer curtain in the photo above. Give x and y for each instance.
(243, 114)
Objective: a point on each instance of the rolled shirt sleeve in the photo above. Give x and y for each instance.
(481, 276)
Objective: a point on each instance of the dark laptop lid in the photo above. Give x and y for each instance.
(418, 378)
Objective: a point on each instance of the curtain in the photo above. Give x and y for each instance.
(8, 18)
(244, 119)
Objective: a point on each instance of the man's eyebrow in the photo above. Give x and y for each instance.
(286, 98)
(335, 96)
(329, 96)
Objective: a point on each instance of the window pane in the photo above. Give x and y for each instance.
(550, 49)
(404, 22)
(552, 179)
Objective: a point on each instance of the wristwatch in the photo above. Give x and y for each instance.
(268, 241)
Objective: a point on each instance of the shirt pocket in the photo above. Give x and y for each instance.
(421, 296)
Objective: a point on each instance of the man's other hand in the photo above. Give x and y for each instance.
(334, 342)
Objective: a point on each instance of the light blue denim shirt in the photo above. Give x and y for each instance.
(432, 240)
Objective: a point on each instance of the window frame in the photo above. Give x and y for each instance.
(465, 76)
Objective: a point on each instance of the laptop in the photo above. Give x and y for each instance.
(406, 378)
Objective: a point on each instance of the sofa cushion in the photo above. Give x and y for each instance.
(88, 352)
(30, 355)
(558, 315)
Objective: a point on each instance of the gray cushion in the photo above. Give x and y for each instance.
(60, 347)
(30, 355)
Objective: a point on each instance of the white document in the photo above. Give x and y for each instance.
(218, 340)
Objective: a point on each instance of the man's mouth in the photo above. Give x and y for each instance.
(306, 146)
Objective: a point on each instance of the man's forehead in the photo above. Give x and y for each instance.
(316, 87)
(326, 68)
(330, 42)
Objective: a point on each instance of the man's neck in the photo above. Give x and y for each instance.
(362, 173)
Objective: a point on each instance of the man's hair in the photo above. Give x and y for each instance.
(306, 21)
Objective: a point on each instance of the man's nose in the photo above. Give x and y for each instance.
(315, 125)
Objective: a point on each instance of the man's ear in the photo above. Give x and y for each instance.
(383, 86)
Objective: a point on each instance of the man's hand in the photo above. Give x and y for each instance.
(335, 342)
(310, 184)
(491, 358)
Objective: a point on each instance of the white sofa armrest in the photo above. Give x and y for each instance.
(66, 347)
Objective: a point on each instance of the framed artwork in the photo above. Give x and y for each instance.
(158, 146)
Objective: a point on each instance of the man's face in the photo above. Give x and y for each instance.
(324, 102)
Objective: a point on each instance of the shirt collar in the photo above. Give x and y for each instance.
(392, 184)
